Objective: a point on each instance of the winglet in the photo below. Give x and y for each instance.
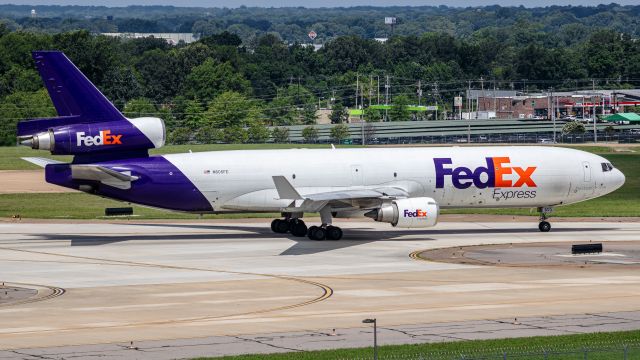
(285, 189)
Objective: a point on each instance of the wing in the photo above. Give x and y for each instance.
(343, 198)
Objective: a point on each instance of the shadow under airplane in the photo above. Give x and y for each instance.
(302, 246)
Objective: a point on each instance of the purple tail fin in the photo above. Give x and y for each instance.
(75, 98)
(71, 92)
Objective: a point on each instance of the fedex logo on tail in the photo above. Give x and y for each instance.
(497, 174)
(415, 214)
(103, 138)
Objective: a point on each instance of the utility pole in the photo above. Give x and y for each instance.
(378, 93)
(553, 117)
(419, 92)
(437, 95)
(357, 86)
(386, 99)
(468, 101)
(298, 93)
(495, 106)
(595, 132)
(370, 89)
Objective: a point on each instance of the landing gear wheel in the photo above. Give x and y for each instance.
(298, 228)
(273, 225)
(280, 226)
(316, 233)
(544, 226)
(334, 233)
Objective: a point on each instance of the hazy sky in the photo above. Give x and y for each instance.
(316, 3)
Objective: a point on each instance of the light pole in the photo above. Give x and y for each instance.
(375, 336)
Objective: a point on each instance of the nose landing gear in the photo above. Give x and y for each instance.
(544, 225)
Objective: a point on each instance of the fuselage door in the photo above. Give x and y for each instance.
(586, 167)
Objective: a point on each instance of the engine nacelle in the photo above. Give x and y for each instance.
(133, 134)
(419, 212)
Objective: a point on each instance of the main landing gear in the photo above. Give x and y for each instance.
(298, 228)
(544, 225)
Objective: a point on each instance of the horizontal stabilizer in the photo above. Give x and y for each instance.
(42, 162)
(110, 177)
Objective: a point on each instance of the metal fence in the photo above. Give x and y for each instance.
(602, 351)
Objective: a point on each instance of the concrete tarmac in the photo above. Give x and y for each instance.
(222, 285)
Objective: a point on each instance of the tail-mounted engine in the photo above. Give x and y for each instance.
(408, 213)
(122, 135)
(87, 123)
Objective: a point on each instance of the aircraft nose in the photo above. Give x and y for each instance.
(618, 179)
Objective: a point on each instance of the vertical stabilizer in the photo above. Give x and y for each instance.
(71, 92)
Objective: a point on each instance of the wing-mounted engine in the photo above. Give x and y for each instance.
(420, 212)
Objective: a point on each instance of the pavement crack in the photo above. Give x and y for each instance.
(530, 326)
(31, 355)
(416, 336)
(607, 316)
(267, 344)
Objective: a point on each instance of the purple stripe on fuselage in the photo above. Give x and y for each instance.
(160, 184)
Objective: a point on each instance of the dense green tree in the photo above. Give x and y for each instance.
(158, 74)
(139, 107)
(209, 135)
(93, 55)
(339, 113)
(22, 106)
(235, 134)
(573, 127)
(309, 113)
(19, 79)
(371, 114)
(210, 79)
(194, 116)
(280, 135)
(232, 109)
(400, 109)
(179, 136)
(121, 85)
(310, 134)
(339, 133)
(258, 132)
(224, 38)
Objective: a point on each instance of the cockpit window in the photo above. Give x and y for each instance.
(606, 167)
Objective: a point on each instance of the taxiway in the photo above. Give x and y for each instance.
(167, 285)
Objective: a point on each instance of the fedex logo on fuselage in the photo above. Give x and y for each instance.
(496, 170)
(103, 138)
(419, 213)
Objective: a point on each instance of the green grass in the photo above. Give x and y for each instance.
(572, 346)
(625, 202)
(84, 206)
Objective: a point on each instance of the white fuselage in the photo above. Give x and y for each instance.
(523, 176)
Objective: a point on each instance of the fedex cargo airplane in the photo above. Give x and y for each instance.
(405, 187)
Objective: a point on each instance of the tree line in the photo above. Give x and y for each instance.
(223, 88)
